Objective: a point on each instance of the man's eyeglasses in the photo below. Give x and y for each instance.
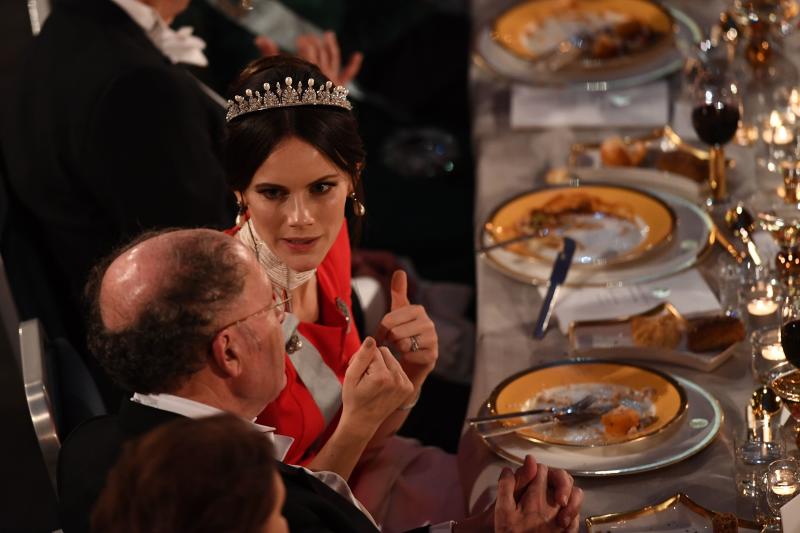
(266, 308)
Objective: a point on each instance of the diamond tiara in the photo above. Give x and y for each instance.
(287, 96)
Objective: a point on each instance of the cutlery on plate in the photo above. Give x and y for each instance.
(566, 420)
(502, 244)
(557, 277)
(577, 407)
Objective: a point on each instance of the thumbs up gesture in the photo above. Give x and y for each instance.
(410, 330)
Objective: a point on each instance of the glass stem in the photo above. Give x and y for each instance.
(716, 173)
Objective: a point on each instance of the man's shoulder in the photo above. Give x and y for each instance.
(89, 453)
(312, 506)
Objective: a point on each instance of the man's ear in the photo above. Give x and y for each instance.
(226, 352)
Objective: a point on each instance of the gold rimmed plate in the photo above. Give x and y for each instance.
(694, 432)
(680, 512)
(651, 401)
(614, 33)
(611, 224)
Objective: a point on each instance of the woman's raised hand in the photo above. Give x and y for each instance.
(374, 387)
(411, 331)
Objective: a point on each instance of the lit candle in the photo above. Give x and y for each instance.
(762, 307)
(773, 352)
(776, 131)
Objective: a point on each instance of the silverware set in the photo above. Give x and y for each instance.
(574, 414)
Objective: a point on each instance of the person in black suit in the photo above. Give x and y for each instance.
(108, 137)
(180, 317)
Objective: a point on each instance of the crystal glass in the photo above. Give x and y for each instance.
(767, 353)
(761, 301)
(783, 483)
(790, 330)
(753, 457)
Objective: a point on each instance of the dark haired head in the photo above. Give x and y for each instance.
(215, 475)
(167, 339)
(252, 137)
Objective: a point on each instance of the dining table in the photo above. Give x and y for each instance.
(512, 160)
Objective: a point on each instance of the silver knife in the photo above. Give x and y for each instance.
(557, 277)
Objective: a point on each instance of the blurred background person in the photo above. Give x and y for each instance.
(111, 137)
(211, 475)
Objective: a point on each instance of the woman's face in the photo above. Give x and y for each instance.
(296, 201)
(276, 523)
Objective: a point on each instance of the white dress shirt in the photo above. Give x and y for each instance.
(179, 46)
(193, 409)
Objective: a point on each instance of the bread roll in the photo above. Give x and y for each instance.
(662, 331)
(714, 333)
(613, 153)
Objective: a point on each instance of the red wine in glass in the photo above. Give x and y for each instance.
(715, 123)
(790, 341)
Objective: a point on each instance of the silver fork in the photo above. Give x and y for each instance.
(576, 407)
(568, 420)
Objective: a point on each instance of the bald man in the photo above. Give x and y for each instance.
(187, 320)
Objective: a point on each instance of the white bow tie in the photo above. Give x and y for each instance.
(180, 46)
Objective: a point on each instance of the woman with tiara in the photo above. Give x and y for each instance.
(294, 159)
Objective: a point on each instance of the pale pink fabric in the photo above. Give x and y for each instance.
(407, 485)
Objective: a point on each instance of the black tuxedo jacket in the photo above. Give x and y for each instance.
(107, 138)
(92, 449)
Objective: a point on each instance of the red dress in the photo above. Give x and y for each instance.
(294, 413)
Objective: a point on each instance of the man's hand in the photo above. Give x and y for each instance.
(324, 52)
(533, 499)
(374, 387)
(411, 331)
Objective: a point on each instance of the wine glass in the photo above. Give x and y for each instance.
(715, 118)
(790, 330)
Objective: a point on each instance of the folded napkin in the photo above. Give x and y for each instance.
(687, 292)
(546, 107)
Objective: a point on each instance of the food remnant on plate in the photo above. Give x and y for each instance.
(620, 421)
(560, 211)
(662, 331)
(598, 35)
(620, 412)
(714, 333)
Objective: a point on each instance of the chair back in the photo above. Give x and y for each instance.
(37, 372)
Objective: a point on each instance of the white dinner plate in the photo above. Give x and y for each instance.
(696, 430)
(691, 238)
(506, 64)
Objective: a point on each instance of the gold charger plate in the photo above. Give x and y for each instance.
(518, 392)
(513, 28)
(678, 511)
(613, 241)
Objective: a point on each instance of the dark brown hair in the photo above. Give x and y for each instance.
(169, 339)
(212, 475)
(252, 137)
